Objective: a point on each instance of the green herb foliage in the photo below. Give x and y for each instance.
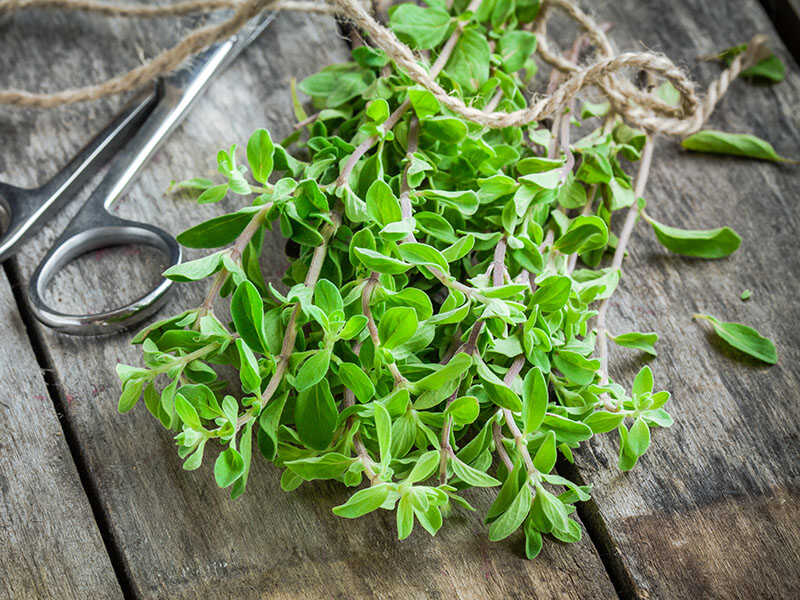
(432, 335)
(744, 338)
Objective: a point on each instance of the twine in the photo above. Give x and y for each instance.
(640, 108)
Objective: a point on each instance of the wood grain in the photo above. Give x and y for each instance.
(50, 546)
(713, 509)
(179, 535)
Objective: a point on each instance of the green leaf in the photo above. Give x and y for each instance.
(315, 415)
(552, 293)
(575, 367)
(246, 450)
(533, 541)
(448, 130)
(459, 249)
(469, 63)
(640, 341)
(534, 400)
(327, 297)
(643, 382)
(380, 263)
(457, 366)
(602, 421)
(259, 155)
(464, 201)
(510, 520)
(515, 48)
(594, 168)
(397, 326)
(363, 502)
(423, 254)
(424, 467)
(382, 205)
(195, 183)
(228, 468)
(422, 28)
(217, 232)
(353, 327)
(770, 68)
(405, 517)
(504, 397)
(424, 102)
(736, 144)
(436, 226)
(572, 194)
(196, 458)
(378, 110)
(464, 410)
(331, 465)
(545, 458)
(584, 233)
(248, 368)
(195, 270)
(567, 430)
(367, 56)
(471, 475)
(383, 427)
(337, 84)
(357, 382)
(709, 243)
(638, 438)
(213, 194)
(130, 394)
(247, 312)
(187, 413)
(744, 338)
(268, 423)
(551, 508)
(313, 370)
(595, 109)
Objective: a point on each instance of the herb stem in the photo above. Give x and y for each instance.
(616, 263)
(406, 210)
(361, 451)
(438, 65)
(291, 327)
(497, 434)
(185, 360)
(366, 295)
(519, 439)
(235, 252)
(446, 450)
(307, 121)
(499, 264)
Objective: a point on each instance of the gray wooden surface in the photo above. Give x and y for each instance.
(712, 512)
(50, 546)
(713, 509)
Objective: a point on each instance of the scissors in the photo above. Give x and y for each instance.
(131, 139)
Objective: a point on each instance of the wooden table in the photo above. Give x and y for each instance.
(95, 505)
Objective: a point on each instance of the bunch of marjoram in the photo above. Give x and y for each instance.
(439, 327)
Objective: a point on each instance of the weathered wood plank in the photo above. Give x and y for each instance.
(713, 509)
(180, 536)
(50, 546)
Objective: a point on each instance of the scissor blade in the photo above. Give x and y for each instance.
(219, 56)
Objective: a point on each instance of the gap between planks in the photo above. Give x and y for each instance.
(785, 16)
(48, 370)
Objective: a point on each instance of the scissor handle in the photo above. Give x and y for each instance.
(94, 227)
(108, 230)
